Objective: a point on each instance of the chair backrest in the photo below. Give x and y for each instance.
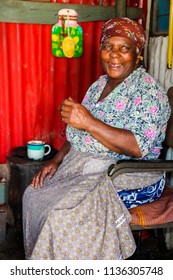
(169, 132)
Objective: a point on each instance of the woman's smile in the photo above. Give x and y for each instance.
(115, 66)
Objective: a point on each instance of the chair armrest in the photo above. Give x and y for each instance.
(131, 166)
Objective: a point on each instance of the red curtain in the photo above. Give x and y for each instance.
(33, 82)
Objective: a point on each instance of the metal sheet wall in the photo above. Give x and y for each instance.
(33, 82)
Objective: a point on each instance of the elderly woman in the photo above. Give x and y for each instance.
(72, 210)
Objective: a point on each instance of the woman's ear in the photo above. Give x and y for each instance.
(139, 58)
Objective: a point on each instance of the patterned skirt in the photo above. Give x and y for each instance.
(78, 214)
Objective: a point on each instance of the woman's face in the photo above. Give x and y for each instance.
(118, 57)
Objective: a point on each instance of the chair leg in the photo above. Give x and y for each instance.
(139, 239)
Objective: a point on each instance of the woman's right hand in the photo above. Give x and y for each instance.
(48, 169)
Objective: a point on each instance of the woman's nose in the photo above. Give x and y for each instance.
(114, 52)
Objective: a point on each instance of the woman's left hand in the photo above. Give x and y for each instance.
(75, 114)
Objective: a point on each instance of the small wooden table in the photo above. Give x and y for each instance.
(22, 170)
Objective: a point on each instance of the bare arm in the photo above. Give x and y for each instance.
(61, 153)
(119, 140)
(116, 139)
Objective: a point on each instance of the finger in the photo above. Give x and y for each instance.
(35, 181)
(60, 108)
(65, 108)
(43, 175)
(69, 101)
(41, 180)
(52, 172)
(65, 114)
(65, 120)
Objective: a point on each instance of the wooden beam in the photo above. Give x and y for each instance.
(120, 8)
(20, 11)
(134, 13)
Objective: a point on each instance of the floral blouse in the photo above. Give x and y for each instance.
(138, 104)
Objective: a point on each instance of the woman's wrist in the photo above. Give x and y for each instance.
(61, 153)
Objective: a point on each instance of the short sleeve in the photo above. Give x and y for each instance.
(149, 117)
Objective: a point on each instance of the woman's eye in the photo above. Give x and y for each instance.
(124, 48)
(106, 47)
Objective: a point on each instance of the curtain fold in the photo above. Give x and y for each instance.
(157, 62)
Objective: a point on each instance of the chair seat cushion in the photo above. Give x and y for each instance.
(140, 196)
(154, 213)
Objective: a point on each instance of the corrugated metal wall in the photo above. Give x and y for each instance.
(33, 82)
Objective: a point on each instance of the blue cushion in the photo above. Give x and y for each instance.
(137, 197)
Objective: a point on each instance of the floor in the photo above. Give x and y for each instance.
(150, 247)
(12, 247)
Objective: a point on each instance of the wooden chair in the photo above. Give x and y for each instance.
(157, 214)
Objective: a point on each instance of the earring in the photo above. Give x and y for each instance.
(140, 57)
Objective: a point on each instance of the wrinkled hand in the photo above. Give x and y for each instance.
(75, 114)
(48, 169)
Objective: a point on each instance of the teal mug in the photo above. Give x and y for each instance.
(36, 149)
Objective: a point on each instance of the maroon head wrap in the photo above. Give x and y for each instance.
(124, 27)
